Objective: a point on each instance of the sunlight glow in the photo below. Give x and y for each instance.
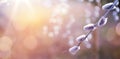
(18, 3)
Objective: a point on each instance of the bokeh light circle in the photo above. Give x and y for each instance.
(5, 43)
(30, 43)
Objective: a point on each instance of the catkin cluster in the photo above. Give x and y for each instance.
(109, 7)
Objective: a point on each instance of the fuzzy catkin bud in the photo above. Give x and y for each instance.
(73, 50)
(117, 3)
(117, 9)
(89, 27)
(107, 6)
(102, 22)
(114, 13)
(116, 18)
(81, 38)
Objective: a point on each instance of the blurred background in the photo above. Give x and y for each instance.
(46, 29)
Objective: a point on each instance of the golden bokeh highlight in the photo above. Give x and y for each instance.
(61, 9)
